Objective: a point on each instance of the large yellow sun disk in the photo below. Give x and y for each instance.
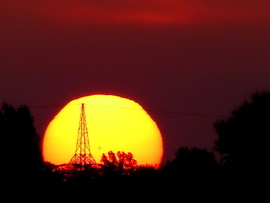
(114, 124)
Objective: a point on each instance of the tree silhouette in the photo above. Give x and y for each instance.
(20, 144)
(123, 164)
(193, 169)
(242, 138)
(193, 161)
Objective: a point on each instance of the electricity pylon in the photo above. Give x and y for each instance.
(82, 156)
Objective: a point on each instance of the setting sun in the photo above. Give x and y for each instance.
(114, 124)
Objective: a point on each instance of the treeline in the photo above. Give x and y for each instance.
(189, 165)
(241, 143)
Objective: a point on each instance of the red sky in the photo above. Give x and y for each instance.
(152, 12)
(190, 56)
(161, 12)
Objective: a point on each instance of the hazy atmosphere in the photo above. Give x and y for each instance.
(187, 63)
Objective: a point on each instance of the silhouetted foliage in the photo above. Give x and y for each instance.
(114, 168)
(51, 175)
(242, 144)
(19, 142)
(242, 138)
(192, 161)
(192, 169)
(123, 164)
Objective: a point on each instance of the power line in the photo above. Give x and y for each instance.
(188, 114)
(148, 110)
(44, 106)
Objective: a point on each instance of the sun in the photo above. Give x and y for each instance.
(114, 124)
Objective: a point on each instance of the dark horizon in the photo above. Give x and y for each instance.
(241, 144)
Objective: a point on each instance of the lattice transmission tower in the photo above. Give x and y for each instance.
(82, 156)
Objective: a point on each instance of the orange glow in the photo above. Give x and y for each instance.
(114, 124)
(140, 12)
(160, 12)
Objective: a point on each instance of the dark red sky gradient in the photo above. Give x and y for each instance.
(195, 57)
